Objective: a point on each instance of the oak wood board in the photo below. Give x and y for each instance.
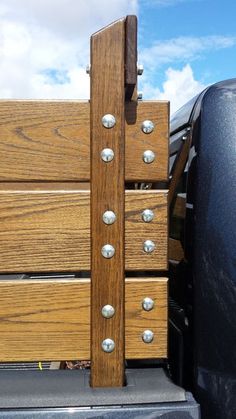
(49, 319)
(46, 228)
(50, 141)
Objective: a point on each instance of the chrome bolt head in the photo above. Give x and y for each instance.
(147, 127)
(140, 96)
(147, 215)
(107, 155)
(109, 217)
(148, 156)
(108, 121)
(148, 246)
(148, 336)
(108, 311)
(108, 251)
(88, 68)
(108, 345)
(147, 304)
(139, 69)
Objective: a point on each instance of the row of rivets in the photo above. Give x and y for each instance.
(109, 121)
(109, 217)
(108, 345)
(107, 155)
(108, 250)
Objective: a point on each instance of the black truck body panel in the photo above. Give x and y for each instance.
(210, 237)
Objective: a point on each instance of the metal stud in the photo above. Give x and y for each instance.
(107, 155)
(148, 246)
(108, 251)
(148, 156)
(148, 336)
(140, 96)
(88, 68)
(108, 345)
(147, 215)
(109, 217)
(147, 126)
(139, 69)
(108, 311)
(108, 121)
(147, 304)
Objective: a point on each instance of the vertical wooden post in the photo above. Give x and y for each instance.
(107, 194)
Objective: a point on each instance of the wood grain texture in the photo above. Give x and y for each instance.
(179, 209)
(157, 141)
(176, 251)
(50, 140)
(137, 231)
(107, 193)
(130, 55)
(47, 228)
(50, 319)
(42, 231)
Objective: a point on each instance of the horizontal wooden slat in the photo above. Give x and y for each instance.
(50, 319)
(136, 231)
(47, 229)
(50, 140)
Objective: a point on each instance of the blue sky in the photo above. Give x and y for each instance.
(184, 45)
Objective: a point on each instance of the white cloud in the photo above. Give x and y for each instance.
(179, 87)
(183, 49)
(39, 36)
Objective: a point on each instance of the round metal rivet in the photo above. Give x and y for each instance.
(109, 217)
(88, 68)
(147, 336)
(108, 121)
(148, 156)
(139, 69)
(108, 311)
(147, 215)
(148, 246)
(147, 304)
(108, 345)
(147, 127)
(140, 96)
(108, 251)
(107, 155)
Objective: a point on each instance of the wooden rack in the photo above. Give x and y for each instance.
(64, 164)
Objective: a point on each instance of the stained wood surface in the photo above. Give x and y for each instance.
(50, 319)
(47, 228)
(130, 55)
(50, 140)
(107, 193)
(176, 251)
(137, 231)
(179, 209)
